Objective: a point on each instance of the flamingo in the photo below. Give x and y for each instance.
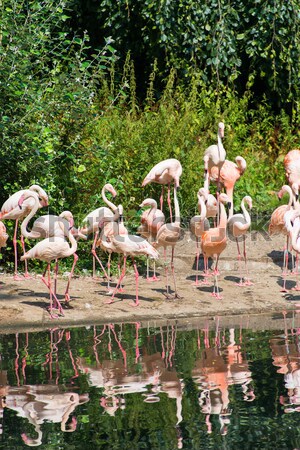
(151, 221)
(198, 225)
(211, 204)
(50, 249)
(111, 226)
(11, 210)
(214, 241)
(214, 155)
(165, 172)
(229, 174)
(3, 235)
(292, 170)
(130, 245)
(292, 225)
(238, 225)
(167, 236)
(91, 222)
(49, 226)
(277, 226)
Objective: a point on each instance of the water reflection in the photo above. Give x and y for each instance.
(123, 386)
(286, 356)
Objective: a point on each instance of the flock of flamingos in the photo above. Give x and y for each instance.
(110, 234)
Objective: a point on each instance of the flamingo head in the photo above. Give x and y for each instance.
(148, 202)
(69, 217)
(284, 189)
(109, 187)
(248, 200)
(221, 128)
(146, 181)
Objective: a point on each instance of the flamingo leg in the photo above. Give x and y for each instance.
(162, 197)
(297, 287)
(121, 289)
(154, 277)
(52, 294)
(15, 244)
(239, 257)
(196, 283)
(108, 272)
(206, 273)
(55, 276)
(136, 284)
(216, 291)
(67, 295)
(176, 295)
(95, 256)
(247, 279)
(26, 274)
(169, 202)
(167, 294)
(118, 283)
(285, 265)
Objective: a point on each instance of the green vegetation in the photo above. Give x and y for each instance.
(82, 108)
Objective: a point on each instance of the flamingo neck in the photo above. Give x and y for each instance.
(294, 235)
(176, 205)
(201, 207)
(110, 204)
(152, 211)
(221, 149)
(223, 216)
(73, 247)
(245, 213)
(32, 212)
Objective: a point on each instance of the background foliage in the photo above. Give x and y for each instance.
(95, 92)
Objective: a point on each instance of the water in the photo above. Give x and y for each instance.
(126, 387)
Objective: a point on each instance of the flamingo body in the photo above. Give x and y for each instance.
(238, 225)
(292, 169)
(11, 210)
(165, 172)
(3, 235)
(229, 174)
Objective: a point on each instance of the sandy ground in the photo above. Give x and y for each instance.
(23, 303)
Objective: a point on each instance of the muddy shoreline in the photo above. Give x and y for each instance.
(259, 306)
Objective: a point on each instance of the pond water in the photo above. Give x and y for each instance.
(127, 387)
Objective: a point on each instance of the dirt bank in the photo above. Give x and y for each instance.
(23, 304)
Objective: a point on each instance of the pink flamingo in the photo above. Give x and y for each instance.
(167, 236)
(3, 235)
(214, 155)
(50, 249)
(229, 174)
(111, 226)
(277, 226)
(238, 225)
(198, 225)
(11, 210)
(165, 172)
(292, 170)
(151, 221)
(130, 245)
(213, 243)
(292, 225)
(91, 222)
(49, 226)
